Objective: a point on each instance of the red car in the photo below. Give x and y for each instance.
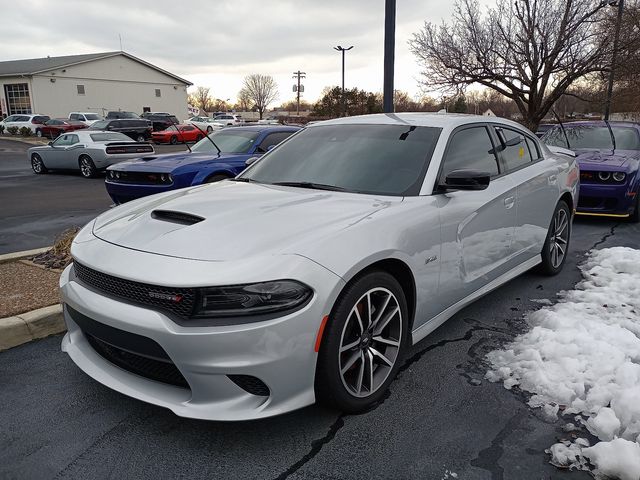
(178, 134)
(57, 126)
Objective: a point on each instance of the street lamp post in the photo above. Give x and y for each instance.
(344, 103)
(614, 57)
(389, 53)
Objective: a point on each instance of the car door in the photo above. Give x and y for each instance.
(477, 225)
(54, 157)
(536, 180)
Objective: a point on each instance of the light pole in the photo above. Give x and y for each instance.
(389, 53)
(344, 103)
(614, 56)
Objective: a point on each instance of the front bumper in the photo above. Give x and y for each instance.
(606, 200)
(125, 192)
(279, 352)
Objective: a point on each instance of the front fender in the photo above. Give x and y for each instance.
(220, 169)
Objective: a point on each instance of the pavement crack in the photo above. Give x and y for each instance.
(316, 446)
(606, 236)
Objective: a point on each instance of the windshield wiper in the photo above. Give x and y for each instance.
(312, 185)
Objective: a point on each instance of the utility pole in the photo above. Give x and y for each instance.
(344, 102)
(389, 53)
(299, 75)
(614, 57)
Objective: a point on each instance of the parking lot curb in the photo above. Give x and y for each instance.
(10, 257)
(30, 326)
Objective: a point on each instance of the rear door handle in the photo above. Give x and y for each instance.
(509, 202)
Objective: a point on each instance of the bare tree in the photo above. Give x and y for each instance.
(262, 90)
(201, 98)
(530, 51)
(243, 103)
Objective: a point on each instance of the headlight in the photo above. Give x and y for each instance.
(619, 176)
(251, 299)
(604, 176)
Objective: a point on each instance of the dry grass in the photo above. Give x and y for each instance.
(59, 256)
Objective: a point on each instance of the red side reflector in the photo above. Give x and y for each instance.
(320, 332)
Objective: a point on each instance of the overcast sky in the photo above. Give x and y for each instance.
(215, 43)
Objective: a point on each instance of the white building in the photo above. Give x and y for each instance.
(96, 82)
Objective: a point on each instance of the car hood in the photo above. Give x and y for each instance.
(168, 162)
(239, 220)
(608, 159)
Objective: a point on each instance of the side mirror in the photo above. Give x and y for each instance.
(50, 144)
(466, 180)
(251, 161)
(270, 147)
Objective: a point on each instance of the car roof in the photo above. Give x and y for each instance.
(85, 132)
(421, 119)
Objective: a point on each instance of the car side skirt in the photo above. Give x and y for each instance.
(614, 215)
(442, 317)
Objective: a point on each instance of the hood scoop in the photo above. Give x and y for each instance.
(173, 216)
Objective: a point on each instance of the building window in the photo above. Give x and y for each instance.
(18, 99)
(80, 89)
(158, 94)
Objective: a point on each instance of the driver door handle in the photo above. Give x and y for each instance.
(509, 202)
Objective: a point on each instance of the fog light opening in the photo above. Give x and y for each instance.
(250, 384)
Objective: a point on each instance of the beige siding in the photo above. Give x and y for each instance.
(109, 84)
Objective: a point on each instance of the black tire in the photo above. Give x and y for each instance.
(199, 137)
(342, 329)
(38, 132)
(635, 215)
(37, 165)
(209, 129)
(552, 264)
(140, 138)
(87, 167)
(173, 140)
(216, 178)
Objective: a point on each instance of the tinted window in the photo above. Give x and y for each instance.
(555, 137)
(109, 137)
(64, 140)
(228, 142)
(75, 116)
(273, 139)
(514, 148)
(376, 159)
(100, 125)
(534, 151)
(92, 116)
(593, 137)
(470, 149)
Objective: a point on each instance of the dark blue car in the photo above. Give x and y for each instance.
(609, 158)
(204, 164)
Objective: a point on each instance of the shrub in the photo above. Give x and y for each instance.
(13, 130)
(25, 131)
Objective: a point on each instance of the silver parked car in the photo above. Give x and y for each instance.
(89, 151)
(309, 275)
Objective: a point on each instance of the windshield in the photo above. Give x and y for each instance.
(592, 137)
(100, 125)
(376, 159)
(228, 141)
(109, 137)
(91, 116)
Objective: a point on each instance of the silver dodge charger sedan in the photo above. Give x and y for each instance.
(309, 275)
(87, 150)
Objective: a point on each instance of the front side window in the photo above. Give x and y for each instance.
(64, 140)
(373, 159)
(470, 149)
(514, 148)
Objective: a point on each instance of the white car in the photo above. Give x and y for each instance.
(88, 118)
(206, 124)
(32, 121)
(229, 119)
(309, 275)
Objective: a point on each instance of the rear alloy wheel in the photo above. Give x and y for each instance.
(363, 344)
(87, 167)
(173, 140)
(556, 245)
(37, 165)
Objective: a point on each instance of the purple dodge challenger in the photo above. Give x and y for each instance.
(608, 154)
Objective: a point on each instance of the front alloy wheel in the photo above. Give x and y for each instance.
(363, 343)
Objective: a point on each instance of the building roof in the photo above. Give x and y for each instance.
(33, 66)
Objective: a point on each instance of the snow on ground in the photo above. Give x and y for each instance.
(582, 356)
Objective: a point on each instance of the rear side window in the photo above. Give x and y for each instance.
(470, 149)
(514, 148)
(533, 148)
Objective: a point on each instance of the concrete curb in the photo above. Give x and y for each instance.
(30, 326)
(10, 257)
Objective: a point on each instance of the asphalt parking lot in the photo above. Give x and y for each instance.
(440, 415)
(36, 208)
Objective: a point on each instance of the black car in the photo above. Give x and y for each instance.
(118, 115)
(138, 129)
(160, 121)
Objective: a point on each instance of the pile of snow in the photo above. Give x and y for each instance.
(582, 356)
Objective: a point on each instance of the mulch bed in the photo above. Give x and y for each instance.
(26, 287)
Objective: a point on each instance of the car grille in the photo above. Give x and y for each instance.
(179, 301)
(138, 178)
(131, 352)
